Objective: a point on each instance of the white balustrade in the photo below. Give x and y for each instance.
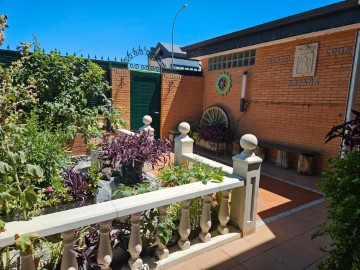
(243, 180)
(69, 258)
(205, 220)
(135, 244)
(184, 226)
(224, 213)
(161, 251)
(105, 254)
(27, 261)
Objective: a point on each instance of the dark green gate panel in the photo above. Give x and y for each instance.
(145, 99)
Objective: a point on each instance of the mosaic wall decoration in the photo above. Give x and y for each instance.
(223, 83)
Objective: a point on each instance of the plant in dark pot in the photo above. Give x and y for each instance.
(213, 137)
(215, 133)
(130, 152)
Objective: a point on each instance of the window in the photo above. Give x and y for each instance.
(240, 59)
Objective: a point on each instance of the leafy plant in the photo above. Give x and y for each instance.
(215, 133)
(349, 131)
(54, 252)
(80, 185)
(86, 247)
(17, 189)
(128, 149)
(95, 143)
(3, 26)
(172, 175)
(61, 89)
(127, 191)
(44, 148)
(341, 185)
(24, 243)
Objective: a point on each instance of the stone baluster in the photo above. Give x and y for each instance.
(183, 143)
(27, 261)
(224, 213)
(69, 259)
(205, 220)
(135, 244)
(105, 254)
(147, 120)
(184, 226)
(161, 251)
(244, 199)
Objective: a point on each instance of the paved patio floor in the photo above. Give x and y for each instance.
(281, 244)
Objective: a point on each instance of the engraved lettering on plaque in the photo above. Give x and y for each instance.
(305, 60)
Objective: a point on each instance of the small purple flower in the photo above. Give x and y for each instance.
(49, 189)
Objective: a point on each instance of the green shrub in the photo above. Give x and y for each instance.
(341, 185)
(44, 148)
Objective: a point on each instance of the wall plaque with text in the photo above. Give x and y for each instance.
(305, 60)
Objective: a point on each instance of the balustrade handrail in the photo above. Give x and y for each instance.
(74, 218)
(197, 158)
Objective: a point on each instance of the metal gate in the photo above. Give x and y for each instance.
(145, 90)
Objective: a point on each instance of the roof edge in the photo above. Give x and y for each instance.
(277, 23)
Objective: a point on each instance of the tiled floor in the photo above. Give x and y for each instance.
(281, 244)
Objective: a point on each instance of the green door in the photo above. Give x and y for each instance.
(145, 99)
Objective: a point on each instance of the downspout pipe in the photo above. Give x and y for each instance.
(353, 85)
(354, 79)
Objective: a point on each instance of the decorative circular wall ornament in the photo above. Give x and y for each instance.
(214, 115)
(223, 83)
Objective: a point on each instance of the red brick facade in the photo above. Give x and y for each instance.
(120, 93)
(181, 100)
(280, 109)
(281, 112)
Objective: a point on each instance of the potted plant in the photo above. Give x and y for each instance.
(130, 152)
(213, 137)
(95, 151)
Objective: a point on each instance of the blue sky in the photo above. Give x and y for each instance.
(110, 28)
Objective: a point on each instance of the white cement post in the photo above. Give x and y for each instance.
(69, 259)
(183, 143)
(244, 199)
(135, 243)
(27, 261)
(184, 226)
(105, 253)
(147, 120)
(205, 220)
(161, 251)
(224, 213)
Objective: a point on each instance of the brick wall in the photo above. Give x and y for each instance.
(297, 115)
(181, 100)
(120, 93)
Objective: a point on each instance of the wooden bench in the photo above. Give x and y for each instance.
(305, 160)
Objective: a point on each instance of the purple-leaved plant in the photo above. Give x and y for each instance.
(132, 149)
(78, 184)
(215, 133)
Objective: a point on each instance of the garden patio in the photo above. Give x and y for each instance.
(137, 201)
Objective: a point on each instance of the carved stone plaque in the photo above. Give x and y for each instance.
(305, 60)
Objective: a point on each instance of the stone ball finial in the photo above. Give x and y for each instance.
(147, 120)
(248, 142)
(184, 128)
